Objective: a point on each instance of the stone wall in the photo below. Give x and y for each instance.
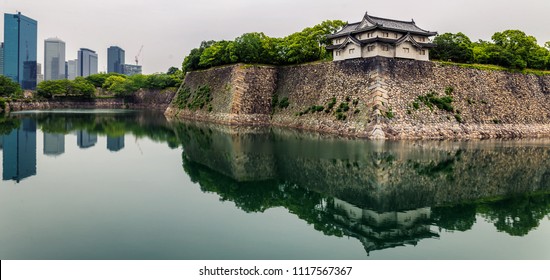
(377, 98)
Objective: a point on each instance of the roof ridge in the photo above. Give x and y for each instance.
(391, 19)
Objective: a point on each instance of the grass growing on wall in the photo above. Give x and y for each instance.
(194, 100)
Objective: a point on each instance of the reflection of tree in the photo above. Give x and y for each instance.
(260, 196)
(457, 217)
(519, 215)
(8, 124)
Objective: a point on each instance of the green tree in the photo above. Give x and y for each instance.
(249, 48)
(215, 55)
(116, 85)
(191, 62)
(172, 70)
(53, 87)
(524, 48)
(453, 47)
(82, 87)
(9, 87)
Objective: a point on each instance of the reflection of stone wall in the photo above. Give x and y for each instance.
(240, 153)
(384, 176)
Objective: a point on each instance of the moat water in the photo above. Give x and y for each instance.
(108, 184)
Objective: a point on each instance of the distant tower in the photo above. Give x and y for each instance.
(72, 69)
(54, 59)
(20, 44)
(87, 62)
(115, 60)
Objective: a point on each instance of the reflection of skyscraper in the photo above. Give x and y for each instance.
(54, 144)
(115, 144)
(85, 140)
(19, 156)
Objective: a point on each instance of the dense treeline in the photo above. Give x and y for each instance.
(305, 46)
(510, 49)
(114, 83)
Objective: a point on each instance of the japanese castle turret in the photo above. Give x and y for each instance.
(375, 36)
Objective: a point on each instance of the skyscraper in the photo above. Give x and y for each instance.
(2, 58)
(20, 39)
(39, 75)
(115, 60)
(72, 69)
(130, 69)
(54, 59)
(87, 62)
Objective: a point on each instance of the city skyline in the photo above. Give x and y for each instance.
(168, 30)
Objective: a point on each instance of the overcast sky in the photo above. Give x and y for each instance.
(169, 29)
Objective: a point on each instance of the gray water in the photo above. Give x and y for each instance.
(130, 185)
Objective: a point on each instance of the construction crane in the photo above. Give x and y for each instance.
(138, 54)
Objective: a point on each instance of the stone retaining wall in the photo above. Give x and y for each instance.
(382, 97)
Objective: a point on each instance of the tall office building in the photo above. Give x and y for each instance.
(39, 75)
(20, 44)
(87, 62)
(2, 58)
(130, 69)
(54, 59)
(115, 60)
(19, 156)
(72, 69)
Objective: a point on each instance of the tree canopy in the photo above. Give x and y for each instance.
(300, 47)
(8, 87)
(510, 48)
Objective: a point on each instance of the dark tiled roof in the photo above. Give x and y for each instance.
(382, 23)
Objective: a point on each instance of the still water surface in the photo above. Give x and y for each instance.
(130, 185)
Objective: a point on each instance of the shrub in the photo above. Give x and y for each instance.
(9, 87)
(284, 103)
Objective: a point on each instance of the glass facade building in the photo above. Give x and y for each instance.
(54, 59)
(130, 69)
(1, 58)
(20, 48)
(115, 60)
(87, 62)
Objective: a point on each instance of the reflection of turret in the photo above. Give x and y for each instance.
(85, 139)
(19, 156)
(384, 230)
